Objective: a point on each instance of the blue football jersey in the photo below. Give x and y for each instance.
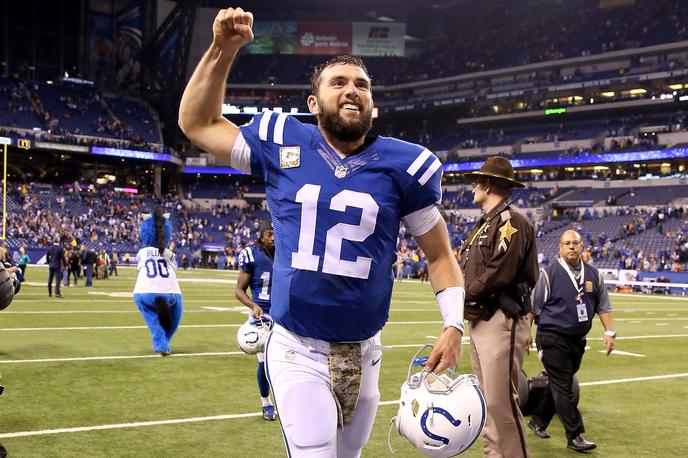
(336, 223)
(256, 262)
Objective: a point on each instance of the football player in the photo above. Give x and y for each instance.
(337, 198)
(255, 271)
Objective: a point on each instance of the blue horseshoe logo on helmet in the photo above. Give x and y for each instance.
(445, 414)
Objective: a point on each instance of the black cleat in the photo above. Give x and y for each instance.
(538, 430)
(165, 353)
(579, 444)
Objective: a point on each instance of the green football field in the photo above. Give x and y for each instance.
(81, 378)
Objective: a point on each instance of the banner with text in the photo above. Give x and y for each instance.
(360, 38)
(378, 39)
(323, 38)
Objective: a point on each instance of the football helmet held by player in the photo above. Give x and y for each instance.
(253, 334)
(9, 284)
(441, 415)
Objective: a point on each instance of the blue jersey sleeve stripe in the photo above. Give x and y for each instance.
(279, 128)
(418, 163)
(430, 172)
(263, 128)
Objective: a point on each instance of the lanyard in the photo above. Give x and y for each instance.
(577, 285)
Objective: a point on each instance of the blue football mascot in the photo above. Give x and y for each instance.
(157, 294)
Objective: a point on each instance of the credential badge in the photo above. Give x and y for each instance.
(290, 157)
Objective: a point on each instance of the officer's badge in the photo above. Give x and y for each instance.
(506, 232)
(588, 287)
(290, 157)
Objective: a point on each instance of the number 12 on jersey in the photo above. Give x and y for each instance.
(305, 259)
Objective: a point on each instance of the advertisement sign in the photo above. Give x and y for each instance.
(273, 38)
(197, 161)
(133, 154)
(323, 38)
(62, 147)
(378, 39)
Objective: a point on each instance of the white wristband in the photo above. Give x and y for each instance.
(451, 302)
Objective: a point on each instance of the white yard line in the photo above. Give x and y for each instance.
(114, 328)
(646, 296)
(110, 358)
(634, 379)
(624, 353)
(139, 424)
(660, 336)
(465, 341)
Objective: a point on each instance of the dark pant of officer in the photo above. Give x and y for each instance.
(561, 356)
(55, 273)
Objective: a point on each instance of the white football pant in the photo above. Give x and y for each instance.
(298, 371)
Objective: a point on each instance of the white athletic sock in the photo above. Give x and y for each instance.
(265, 401)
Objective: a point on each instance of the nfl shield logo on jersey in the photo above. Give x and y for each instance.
(290, 157)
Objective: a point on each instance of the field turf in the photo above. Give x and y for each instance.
(81, 378)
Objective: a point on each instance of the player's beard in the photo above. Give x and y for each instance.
(335, 125)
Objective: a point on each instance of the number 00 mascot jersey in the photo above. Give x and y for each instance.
(157, 294)
(336, 222)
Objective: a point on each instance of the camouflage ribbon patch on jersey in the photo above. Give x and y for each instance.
(345, 375)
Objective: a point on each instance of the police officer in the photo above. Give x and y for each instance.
(567, 295)
(500, 268)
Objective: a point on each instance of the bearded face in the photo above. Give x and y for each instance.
(344, 104)
(347, 121)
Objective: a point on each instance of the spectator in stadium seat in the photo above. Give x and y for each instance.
(567, 295)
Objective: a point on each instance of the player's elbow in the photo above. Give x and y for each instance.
(186, 126)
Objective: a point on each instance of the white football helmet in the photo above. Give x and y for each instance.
(253, 334)
(440, 415)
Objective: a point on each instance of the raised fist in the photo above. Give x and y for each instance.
(232, 28)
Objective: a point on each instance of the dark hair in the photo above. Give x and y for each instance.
(265, 226)
(159, 229)
(339, 60)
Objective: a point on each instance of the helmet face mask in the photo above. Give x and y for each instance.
(442, 415)
(253, 334)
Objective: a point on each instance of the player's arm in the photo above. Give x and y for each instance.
(242, 285)
(447, 282)
(200, 111)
